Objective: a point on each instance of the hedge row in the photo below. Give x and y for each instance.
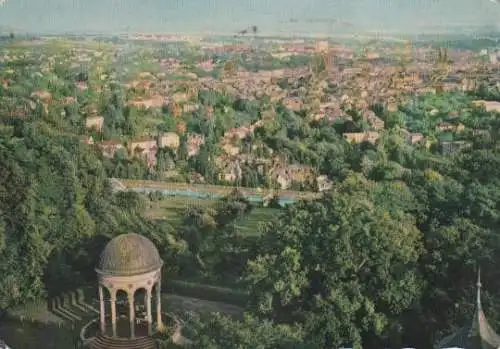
(207, 292)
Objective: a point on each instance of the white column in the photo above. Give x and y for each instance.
(131, 309)
(102, 310)
(113, 311)
(148, 311)
(158, 304)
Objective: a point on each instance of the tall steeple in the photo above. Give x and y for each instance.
(478, 285)
(478, 334)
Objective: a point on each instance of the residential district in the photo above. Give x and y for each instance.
(162, 191)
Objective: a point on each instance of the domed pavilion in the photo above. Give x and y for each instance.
(129, 264)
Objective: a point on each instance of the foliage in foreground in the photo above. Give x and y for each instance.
(57, 212)
(217, 331)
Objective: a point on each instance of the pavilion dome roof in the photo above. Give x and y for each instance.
(129, 254)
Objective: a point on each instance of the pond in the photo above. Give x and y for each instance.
(205, 195)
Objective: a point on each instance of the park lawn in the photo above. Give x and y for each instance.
(172, 210)
(249, 226)
(26, 335)
(179, 305)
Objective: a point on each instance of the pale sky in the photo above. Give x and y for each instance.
(232, 15)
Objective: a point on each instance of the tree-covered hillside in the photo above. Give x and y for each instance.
(57, 212)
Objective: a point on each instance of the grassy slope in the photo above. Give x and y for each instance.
(172, 210)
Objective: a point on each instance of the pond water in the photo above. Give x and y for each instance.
(205, 195)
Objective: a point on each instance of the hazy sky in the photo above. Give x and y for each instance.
(232, 15)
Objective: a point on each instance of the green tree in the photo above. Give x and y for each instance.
(345, 265)
(221, 332)
(198, 229)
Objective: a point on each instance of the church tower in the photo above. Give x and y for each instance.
(476, 335)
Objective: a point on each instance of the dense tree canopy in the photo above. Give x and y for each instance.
(56, 206)
(220, 332)
(353, 253)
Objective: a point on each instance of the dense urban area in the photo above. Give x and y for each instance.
(326, 193)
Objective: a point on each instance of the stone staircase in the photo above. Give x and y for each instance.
(72, 308)
(104, 342)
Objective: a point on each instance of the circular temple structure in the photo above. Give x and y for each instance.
(128, 255)
(129, 273)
